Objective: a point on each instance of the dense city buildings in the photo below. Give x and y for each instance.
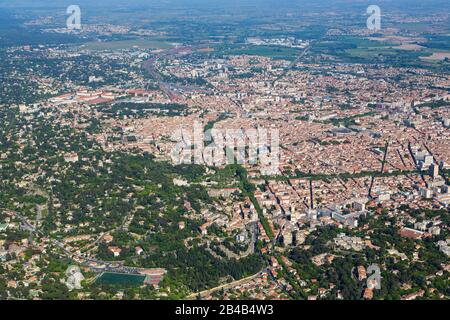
(354, 203)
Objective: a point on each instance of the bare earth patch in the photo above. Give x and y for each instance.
(409, 46)
(437, 56)
(399, 39)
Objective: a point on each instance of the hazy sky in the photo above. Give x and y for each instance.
(194, 3)
(234, 6)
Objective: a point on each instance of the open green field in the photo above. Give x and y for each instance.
(373, 52)
(126, 44)
(399, 52)
(425, 56)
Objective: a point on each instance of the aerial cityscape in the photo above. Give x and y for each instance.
(225, 150)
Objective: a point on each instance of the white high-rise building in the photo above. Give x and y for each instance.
(434, 171)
